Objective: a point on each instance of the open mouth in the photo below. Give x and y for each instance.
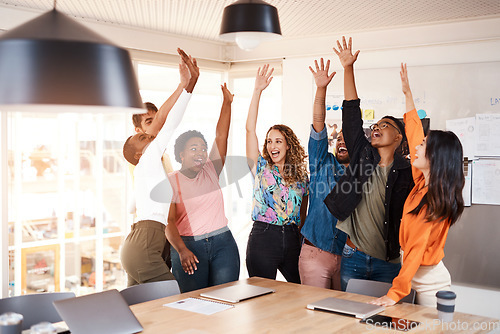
(376, 134)
(342, 150)
(275, 154)
(198, 162)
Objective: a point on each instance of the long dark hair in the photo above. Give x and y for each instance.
(444, 199)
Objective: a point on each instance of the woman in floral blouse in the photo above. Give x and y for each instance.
(279, 196)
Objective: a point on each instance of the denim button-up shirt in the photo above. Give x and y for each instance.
(320, 225)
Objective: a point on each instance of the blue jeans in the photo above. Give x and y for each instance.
(356, 264)
(219, 262)
(271, 248)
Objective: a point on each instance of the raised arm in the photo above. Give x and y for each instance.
(405, 86)
(194, 70)
(347, 60)
(413, 125)
(322, 80)
(219, 148)
(189, 74)
(262, 80)
(352, 123)
(188, 259)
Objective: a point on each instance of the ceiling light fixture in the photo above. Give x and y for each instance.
(250, 22)
(55, 62)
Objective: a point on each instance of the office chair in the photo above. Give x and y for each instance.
(35, 308)
(150, 291)
(375, 289)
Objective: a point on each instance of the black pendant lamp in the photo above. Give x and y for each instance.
(55, 62)
(250, 22)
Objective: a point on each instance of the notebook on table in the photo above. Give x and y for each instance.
(347, 307)
(103, 312)
(237, 293)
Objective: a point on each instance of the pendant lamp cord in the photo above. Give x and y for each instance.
(55, 4)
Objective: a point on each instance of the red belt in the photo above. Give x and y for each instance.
(353, 246)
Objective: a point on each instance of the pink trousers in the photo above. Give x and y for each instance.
(319, 268)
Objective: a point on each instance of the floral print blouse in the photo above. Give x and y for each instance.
(273, 201)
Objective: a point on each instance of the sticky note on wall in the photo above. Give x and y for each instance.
(368, 114)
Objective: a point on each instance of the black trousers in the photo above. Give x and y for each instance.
(271, 248)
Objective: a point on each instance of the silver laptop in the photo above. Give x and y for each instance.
(348, 307)
(103, 312)
(237, 293)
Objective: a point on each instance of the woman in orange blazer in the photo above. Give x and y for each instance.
(434, 204)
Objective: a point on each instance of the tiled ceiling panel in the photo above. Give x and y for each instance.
(299, 18)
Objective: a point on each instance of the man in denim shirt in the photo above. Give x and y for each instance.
(319, 262)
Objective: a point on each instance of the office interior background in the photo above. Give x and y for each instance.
(68, 187)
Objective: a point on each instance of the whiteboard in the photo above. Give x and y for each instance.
(444, 92)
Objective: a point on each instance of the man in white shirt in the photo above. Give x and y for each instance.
(151, 124)
(142, 250)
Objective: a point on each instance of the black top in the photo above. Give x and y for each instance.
(347, 194)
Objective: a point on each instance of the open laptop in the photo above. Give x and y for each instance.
(347, 307)
(103, 312)
(237, 293)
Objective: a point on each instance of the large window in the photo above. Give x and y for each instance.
(66, 202)
(69, 186)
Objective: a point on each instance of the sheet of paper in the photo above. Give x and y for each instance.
(467, 191)
(487, 135)
(201, 306)
(486, 182)
(464, 128)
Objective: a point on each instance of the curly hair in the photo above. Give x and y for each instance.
(295, 168)
(180, 142)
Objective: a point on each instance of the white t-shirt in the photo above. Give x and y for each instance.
(149, 171)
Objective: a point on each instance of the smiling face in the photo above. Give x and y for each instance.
(421, 162)
(385, 133)
(138, 143)
(276, 146)
(341, 150)
(194, 155)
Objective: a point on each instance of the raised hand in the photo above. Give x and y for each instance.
(321, 76)
(405, 83)
(405, 87)
(263, 78)
(228, 97)
(194, 70)
(345, 52)
(184, 74)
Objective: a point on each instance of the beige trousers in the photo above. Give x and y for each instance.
(428, 280)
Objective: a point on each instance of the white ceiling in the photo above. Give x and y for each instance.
(299, 18)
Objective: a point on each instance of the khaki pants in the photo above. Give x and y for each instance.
(141, 254)
(428, 280)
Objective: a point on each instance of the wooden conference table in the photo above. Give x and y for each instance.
(285, 312)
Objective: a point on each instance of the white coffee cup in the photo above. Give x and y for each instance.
(11, 323)
(446, 305)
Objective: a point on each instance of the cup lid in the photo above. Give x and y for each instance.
(446, 294)
(10, 318)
